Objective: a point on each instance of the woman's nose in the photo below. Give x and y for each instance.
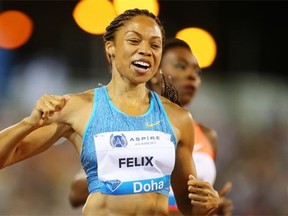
(145, 49)
(192, 74)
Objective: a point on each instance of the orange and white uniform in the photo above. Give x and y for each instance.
(204, 159)
(204, 156)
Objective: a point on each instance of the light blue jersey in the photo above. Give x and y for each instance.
(124, 154)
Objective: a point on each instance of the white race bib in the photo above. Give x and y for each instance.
(134, 161)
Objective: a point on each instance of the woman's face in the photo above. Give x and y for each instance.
(182, 67)
(137, 49)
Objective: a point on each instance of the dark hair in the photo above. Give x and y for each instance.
(175, 42)
(168, 90)
(120, 20)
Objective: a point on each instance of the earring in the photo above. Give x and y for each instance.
(111, 57)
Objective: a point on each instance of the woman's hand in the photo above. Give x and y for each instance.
(45, 108)
(203, 195)
(225, 207)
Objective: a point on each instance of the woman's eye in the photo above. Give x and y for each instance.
(180, 66)
(133, 41)
(155, 46)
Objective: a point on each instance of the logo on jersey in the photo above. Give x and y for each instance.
(113, 184)
(118, 141)
(152, 124)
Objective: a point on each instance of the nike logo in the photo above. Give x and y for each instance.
(152, 125)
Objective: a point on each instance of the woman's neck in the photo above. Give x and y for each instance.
(133, 100)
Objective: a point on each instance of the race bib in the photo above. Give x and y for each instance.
(134, 162)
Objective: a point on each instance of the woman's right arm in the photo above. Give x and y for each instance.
(35, 133)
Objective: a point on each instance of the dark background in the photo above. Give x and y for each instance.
(250, 35)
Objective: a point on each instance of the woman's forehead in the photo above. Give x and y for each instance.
(142, 25)
(180, 54)
(176, 53)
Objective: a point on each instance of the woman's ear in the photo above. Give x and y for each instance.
(110, 50)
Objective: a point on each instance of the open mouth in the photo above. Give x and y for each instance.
(141, 66)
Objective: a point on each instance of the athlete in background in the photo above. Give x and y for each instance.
(181, 67)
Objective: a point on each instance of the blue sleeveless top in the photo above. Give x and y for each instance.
(105, 154)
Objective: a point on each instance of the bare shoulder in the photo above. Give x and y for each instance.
(180, 118)
(175, 111)
(86, 96)
(211, 135)
(77, 104)
(77, 100)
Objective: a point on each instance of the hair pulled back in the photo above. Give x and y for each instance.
(120, 20)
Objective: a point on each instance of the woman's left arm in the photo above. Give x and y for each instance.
(193, 197)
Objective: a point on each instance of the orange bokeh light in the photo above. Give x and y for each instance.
(202, 44)
(122, 5)
(15, 29)
(93, 16)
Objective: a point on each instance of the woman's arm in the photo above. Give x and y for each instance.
(198, 197)
(225, 206)
(33, 134)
